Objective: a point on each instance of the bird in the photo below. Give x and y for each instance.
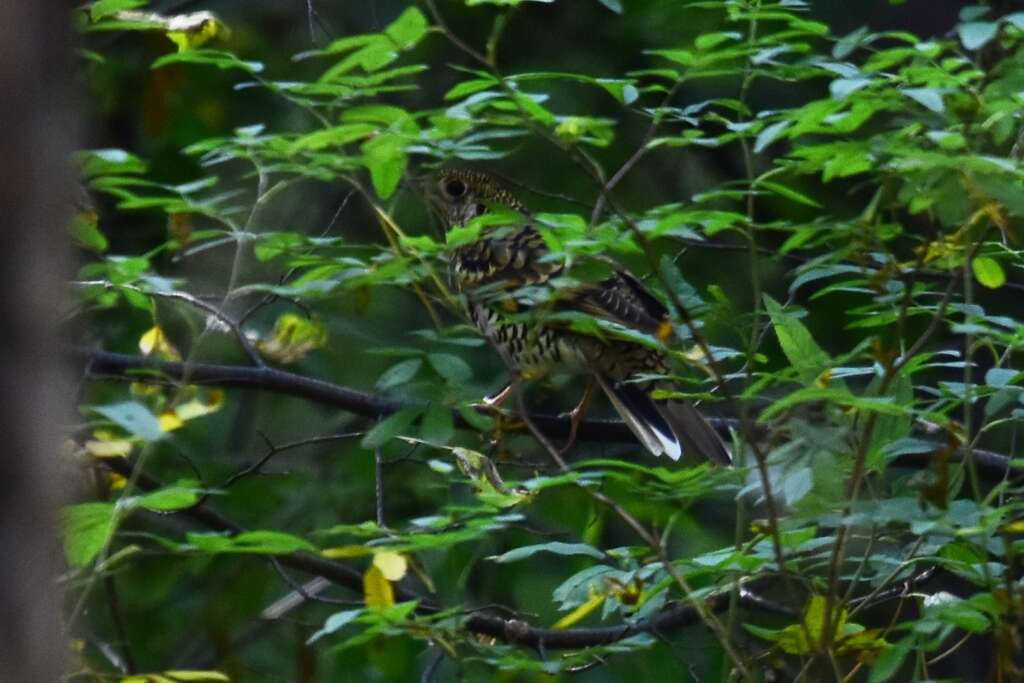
(505, 260)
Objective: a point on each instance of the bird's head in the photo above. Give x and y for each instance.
(460, 195)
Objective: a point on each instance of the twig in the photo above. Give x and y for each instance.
(235, 327)
(652, 541)
(273, 450)
(513, 631)
(378, 470)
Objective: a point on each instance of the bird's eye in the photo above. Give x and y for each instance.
(455, 188)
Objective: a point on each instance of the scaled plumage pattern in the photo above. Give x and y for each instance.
(509, 257)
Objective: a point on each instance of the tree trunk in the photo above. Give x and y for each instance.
(36, 129)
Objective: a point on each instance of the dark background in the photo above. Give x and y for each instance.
(155, 113)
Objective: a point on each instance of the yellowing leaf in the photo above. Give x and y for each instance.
(592, 603)
(814, 617)
(346, 551)
(119, 448)
(392, 565)
(198, 407)
(187, 31)
(1015, 527)
(664, 332)
(293, 337)
(179, 226)
(198, 676)
(169, 421)
(154, 342)
(116, 482)
(377, 590)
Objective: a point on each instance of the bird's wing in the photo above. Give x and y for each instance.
(517, 259)
(622, 299)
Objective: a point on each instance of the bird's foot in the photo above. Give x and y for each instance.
(504, 420)
(576, 416)
(494, 403)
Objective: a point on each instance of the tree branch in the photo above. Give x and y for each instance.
(140, 368)
(512, 631)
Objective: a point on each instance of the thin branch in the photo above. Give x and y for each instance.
(513, 631)
(223, 318)
(703, 613)
(378, 470)
(273, 449)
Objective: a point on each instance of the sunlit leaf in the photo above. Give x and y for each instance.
(989, 272)
(154, 342)
(377, 590)
(580, 613)
(293, 337)
(250, 542)
(87, 527)
(392, 566)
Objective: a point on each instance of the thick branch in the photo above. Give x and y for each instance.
(992, 465)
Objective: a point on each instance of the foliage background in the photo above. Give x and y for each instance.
(165, 605)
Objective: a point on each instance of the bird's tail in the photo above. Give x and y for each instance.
(669, 427)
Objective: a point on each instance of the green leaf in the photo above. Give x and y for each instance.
(789, 193)
(1000, 377)
(452, 368)
(769, 135)
(87, 528)
(556, 547)
(257, 542)
(134, 418)
(707, 41)
(386, 158)
(814, 618)
(408, 28)
(437, 426)
(101, 162)
(336, 136)
(217, 58)
(180, 496)
(502, 3)
(104, 8)
(848, 43)
(335, 622)
(803, 353)
(179, 675)
(959, 613)
(888, 663)
(976, 34)
(883, 405)
(890, 429)
(841, 88)
(928, 97)
(988, 272)
(399, 373)
(391, 426)
(86, 231)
